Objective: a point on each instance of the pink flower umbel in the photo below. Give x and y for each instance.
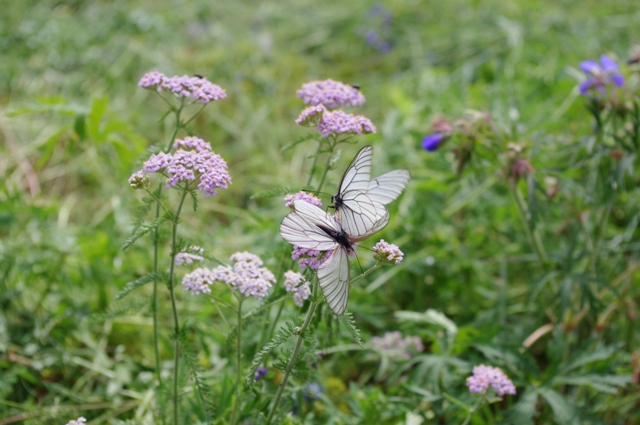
(395, 346)
(198, 281)
(197, 161)
(246, 275)
(296, 283)
(193, 253)
(339, 122)
(486, 376)
(387, 252)
(198, 88)
(79, 421)
(311, 116)
(303, 196)
(331, 94)
(307, 257)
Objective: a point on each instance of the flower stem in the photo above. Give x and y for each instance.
(332, 145)
(534, 239)
(174, 309)
(236, 403)
(366, 272)
(296, 351)
(472, 411)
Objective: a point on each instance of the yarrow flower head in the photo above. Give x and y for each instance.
(330, 93)
(139, 180)
(198, 281)
(385, 251)
(303, 196)
(600, 75)
(193, 253)
(80, 421)
(485, 376)
(307, 257)
(188, 165)
(246, 275)
(198, 88)
(311, 116)
(296, 283)
(339, 122)
(397, 347)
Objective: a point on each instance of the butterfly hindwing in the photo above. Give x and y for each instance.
(333, 276)
(387, 187)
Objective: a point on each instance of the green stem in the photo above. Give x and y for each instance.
(326, 164)
(534, 239)
(236, 402)
(472, 411)
(366, 272)
(174, 309)
(156, 250)
(296, 351)
(315, 161)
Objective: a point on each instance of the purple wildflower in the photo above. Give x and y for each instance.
(339, 122)
(600, 75)
(312, 391)
(307, 257)
(296, 283)
(485, 376)
(80, 421)
(198, 88)
(432, 141)
(246, 275)
(187, 165)
(303, 196)
(198, 281)
(139, 180)
(311, 116)
(192, 143)
(330, 93)
(395, 346)
(384, 251)
(193, 253)
(260, 372)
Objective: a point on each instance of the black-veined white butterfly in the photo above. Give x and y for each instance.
(360, 202)
(312, 228)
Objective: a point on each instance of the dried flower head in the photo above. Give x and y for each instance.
(395, 346)
(80, 421)
(198, 281)
(188, 165)
(193, 253)
(246, 275)
(330, 93)
(139, 180)
(303, 196)
(485, 376)
(296, 283)
(198, 88)
(384, 251)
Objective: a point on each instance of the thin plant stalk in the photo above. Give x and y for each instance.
(472, 411)
(296, 351)
(534, 239)
(174, 309)
(236, 403)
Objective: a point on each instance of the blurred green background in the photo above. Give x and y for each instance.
(74, 126)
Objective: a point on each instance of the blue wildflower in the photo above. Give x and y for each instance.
(312, 392)
(600, 75)
(432, 141)
(260, 372)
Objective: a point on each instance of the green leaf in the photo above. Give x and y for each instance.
(276, 191)
(131, 286)
(349, 323)
(562, 409)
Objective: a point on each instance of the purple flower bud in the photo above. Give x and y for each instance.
(432, 141)
(260, 372)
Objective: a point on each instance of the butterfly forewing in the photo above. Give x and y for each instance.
(387, 187)
(358, 173)
(300, 228)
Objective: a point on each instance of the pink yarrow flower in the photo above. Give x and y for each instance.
(340, 122)
(198, 281)
(303, 196)
(395, 346)
(193, 253)
(486, 376)
(246, 275)
(307, 257)
(198, 88)
(384, 251)
(296, 283)
(80, 421)
(330, 93)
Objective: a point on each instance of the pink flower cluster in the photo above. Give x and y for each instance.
(397, 347)
(79, 421)
(384, 251)
(485, 376)
(335, 122)
(198, 88)
(193, 253)
(187, 165)
(198, 281)
(330, 93)
(246, 275)
(303, 196)
(307, 257)
(296, 283)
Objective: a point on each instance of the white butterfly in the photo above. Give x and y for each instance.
(361, 203)
(312, 228)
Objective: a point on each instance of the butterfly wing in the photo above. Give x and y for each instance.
(333, 276)
(387, 187)
(300, 227)
(356, 176)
